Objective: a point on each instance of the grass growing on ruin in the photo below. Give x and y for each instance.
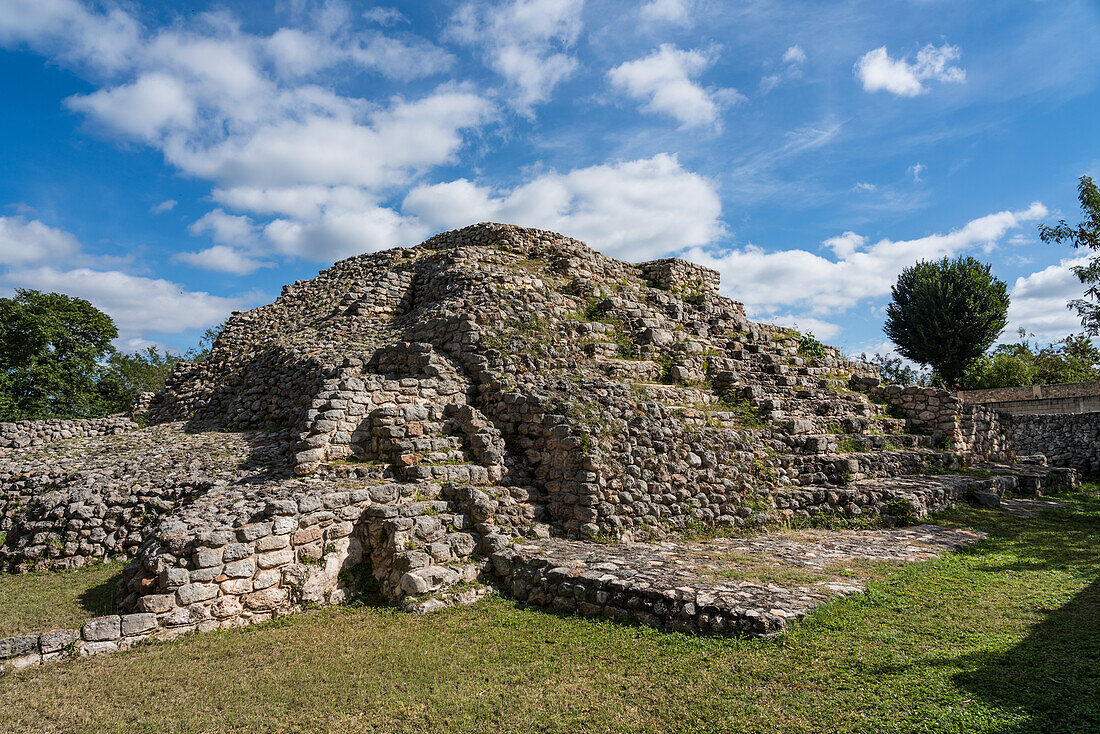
(1000, 637)
(35, 602)
(760, 568)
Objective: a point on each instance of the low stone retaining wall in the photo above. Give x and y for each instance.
(99, 635)
(24, 434)
(1068, 439)
(687, 587)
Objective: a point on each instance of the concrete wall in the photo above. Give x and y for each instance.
(1074, 397)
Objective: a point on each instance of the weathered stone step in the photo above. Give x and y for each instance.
(462, 473)
(842, 469)
(632, 370)
(832, 443)
(850, 425)
(902, 498)
(699, 587)
(678, 395)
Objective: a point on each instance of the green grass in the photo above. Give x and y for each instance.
(35, 602)
(849, 445)
(1001, 637)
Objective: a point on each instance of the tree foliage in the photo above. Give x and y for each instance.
(56, 360)
(894, 371)
(50, 349)
(123, 376)
(946, 314)
(1073, 359)
(1086, 234)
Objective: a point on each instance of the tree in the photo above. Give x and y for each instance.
(1085, 234)
(997, 370)
(50, 349)
(126, 375)
(946, 314)
(893, 370)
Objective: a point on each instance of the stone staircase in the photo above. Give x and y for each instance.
(445, 500)
(822, 434)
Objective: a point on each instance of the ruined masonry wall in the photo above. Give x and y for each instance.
(339, 421)
(24, 434)
(1068, 439)
(974, 429)
(272, 389)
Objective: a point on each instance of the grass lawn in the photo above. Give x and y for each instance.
(1001, 637)
(35, 602)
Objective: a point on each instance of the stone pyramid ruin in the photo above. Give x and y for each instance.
(496, 404)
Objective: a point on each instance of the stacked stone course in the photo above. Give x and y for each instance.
(28, 434)
(1063, 439)
(973, 429)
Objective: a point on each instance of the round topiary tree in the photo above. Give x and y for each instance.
(946, 314)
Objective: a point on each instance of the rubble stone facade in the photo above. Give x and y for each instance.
(1065, 439)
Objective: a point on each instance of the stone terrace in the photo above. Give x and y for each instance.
(754, 585)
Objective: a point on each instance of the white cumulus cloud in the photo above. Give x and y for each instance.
(49, 259)
(222, 259)
(137, 304)
(230, 229)
(799, 279)
(676, 12)
(1039, 301)
(664, 83)
(393, 144)
(877, 70)
(340, 232)
(636, 210)
(241, 110)
(23, 242)
(144, 109)
(528, 42)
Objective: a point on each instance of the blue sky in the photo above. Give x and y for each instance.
(172, 166)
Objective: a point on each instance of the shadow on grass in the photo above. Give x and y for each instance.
(1052, 676)
(99, 600)
(1058, 539)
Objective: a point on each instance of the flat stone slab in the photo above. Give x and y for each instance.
(753, 585)
(1025, 507)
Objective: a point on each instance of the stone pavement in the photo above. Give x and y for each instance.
(1026, 507)
(752, 585)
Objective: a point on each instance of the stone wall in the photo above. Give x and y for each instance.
(1074, 397)
(86, 500)
(262, 388)
(235, 558)
(96, 636)
(971, 429)
(680, 276)
(24, 434)
(65, 524)
(1070, 440)
(338, 424)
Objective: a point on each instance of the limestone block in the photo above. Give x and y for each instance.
(102, 628)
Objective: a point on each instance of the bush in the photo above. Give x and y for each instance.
(810, 347)
(1000, 370)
